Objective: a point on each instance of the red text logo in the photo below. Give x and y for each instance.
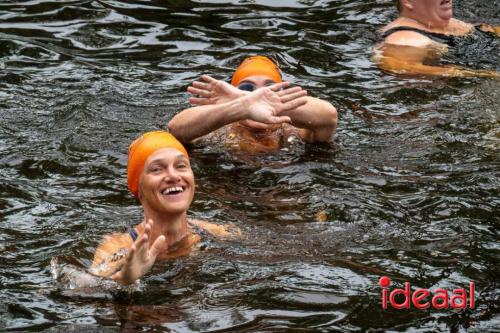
(420, 297)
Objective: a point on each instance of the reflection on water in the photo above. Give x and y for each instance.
(409, 188)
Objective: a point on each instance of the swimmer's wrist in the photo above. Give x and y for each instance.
(237, 109)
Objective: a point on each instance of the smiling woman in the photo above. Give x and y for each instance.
(425, 31)
(160, 177)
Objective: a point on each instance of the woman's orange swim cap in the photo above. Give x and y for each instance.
(142, 148)
(256, 65)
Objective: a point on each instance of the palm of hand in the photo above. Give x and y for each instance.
(264, 105)
(140, 257)
(138, 264)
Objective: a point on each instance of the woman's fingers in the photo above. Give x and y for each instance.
(157, 247)
(289, 91)
(280, 119)
(131, 253)
(290, 97)
(279, 86)
(199, 92)
(208, 78)
(142, 244)
(148, 227)
(200, 85)
(199, 101)
(294, 104)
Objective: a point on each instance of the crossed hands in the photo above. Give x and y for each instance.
(265, 105)
(140, 257)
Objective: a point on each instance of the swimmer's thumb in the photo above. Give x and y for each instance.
(157, 247)
(281, 119)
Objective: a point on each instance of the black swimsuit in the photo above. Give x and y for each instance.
(478, 49)
(440, 38)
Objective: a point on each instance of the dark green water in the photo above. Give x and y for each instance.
(410, 186)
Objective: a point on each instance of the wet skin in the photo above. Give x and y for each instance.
(406, 52)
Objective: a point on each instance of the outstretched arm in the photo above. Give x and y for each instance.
(317, 119)
(263, 105)
(490, 28)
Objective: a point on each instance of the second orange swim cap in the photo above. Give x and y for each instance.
(142, 148)
(256, 65)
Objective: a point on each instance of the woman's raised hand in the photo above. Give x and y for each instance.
(140, 257)
(212, 91)
(267, 103)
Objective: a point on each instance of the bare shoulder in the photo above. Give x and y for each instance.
(408, 38)
(458, 27)
(111, 245)
(226, 230)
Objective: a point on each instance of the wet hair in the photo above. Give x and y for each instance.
(398, 4)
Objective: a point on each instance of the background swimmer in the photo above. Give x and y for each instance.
(257, 111)
(425, 33)
(160, 177)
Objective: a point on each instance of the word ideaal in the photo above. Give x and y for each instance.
(440, 297)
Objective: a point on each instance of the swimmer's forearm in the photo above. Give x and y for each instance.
(318, 118)
(404, 67)
(491, 28)
(198, 121)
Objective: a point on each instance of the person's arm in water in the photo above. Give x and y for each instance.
(264, 105)
(123, 260)
(316, 119)
(404, 52)
(490, 28)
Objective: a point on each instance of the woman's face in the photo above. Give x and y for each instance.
(167, 182)
(252, 83)
(433, 13)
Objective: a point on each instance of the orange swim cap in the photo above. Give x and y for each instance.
(256, 65)
(142, 148)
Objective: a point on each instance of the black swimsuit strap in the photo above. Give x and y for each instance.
(132, 233)
(440, 38)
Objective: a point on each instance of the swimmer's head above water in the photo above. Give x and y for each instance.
(253, 73)
(159, 173)
(431, 13)
(256, 66)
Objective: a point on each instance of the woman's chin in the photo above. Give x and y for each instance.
(174, 209)
(441, 22)
(170, 207)
(445, 16)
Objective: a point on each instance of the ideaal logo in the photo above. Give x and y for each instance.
(440, 297)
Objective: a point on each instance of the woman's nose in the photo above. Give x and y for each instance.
(171, 175)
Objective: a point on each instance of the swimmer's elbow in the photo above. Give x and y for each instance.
(333, 116)
(176, 130)
(327, 129)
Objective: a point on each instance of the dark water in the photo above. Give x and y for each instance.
(410, 187)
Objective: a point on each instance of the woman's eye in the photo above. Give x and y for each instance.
(155, 169)
(247, 87)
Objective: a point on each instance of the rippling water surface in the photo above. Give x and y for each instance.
(410, 187)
